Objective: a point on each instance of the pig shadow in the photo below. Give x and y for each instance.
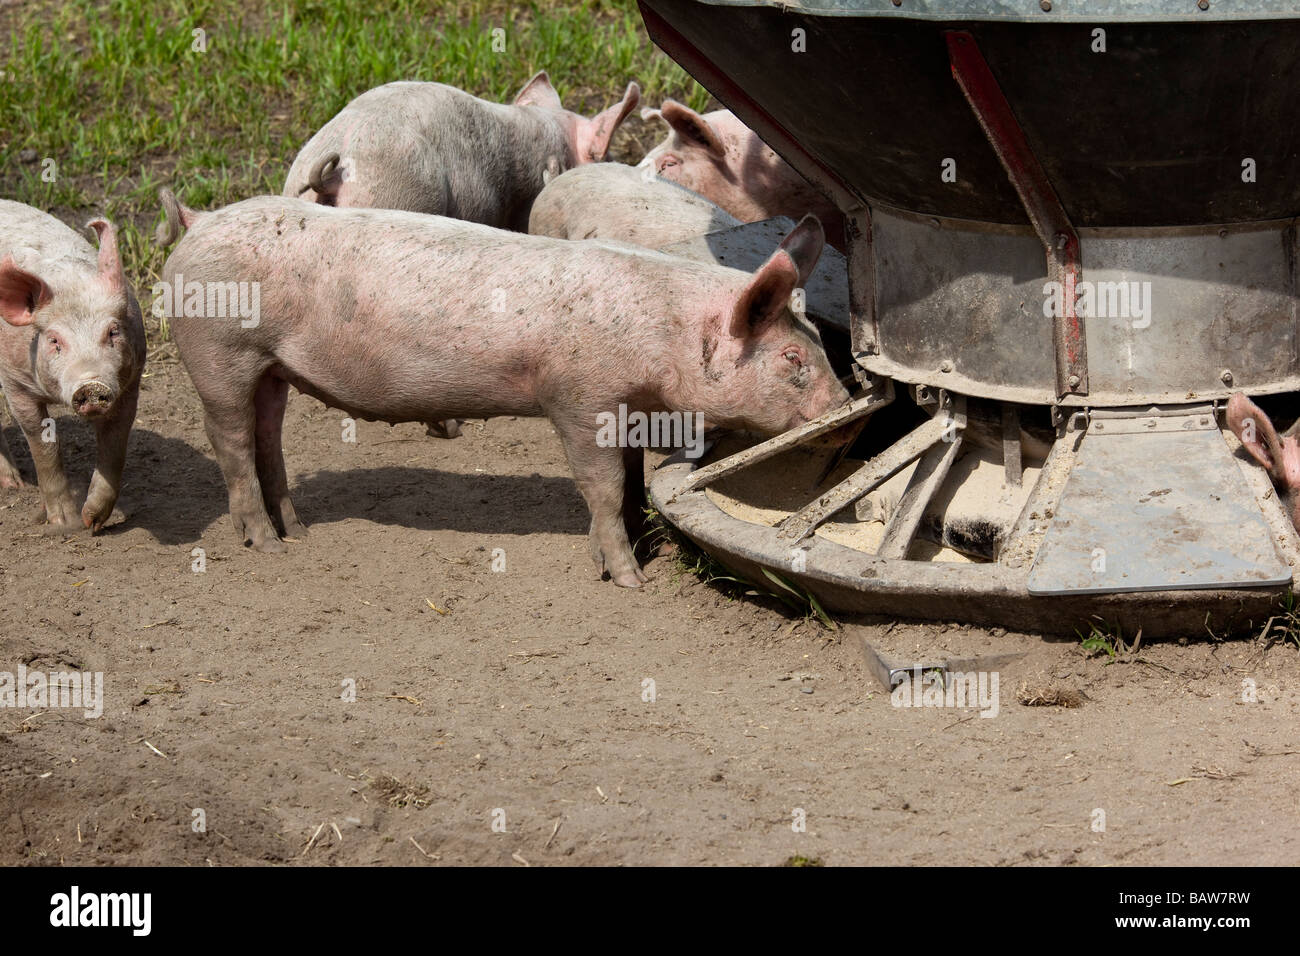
(169, 488)
(175, 492)
(427, 499)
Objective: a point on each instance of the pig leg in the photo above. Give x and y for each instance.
(270, 402)
(600, 475)
(60, 506)
(634, 500)
(231, 429)
(9, 476)
(110, 456)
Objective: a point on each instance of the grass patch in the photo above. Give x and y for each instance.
(119, 95)
(395, 793)
(1050, 695)
(1284, 626)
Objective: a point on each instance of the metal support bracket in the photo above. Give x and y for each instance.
(945, 429)
(836, 418)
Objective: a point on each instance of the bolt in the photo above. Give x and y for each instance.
(1074, 381)
(897, 3)
(945, 366)
(1099, 426)
(1045, 5)
(1225, 377)
(1203, 4)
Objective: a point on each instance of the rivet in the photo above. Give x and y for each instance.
(1225, 377)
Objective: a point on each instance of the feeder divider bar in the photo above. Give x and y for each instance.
(1046, 214)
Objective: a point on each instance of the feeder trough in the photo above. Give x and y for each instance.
(1072, 237)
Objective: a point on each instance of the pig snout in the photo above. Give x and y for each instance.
(828, 395)
(92, 399)
(819, 390)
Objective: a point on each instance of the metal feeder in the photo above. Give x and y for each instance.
(1141, 157)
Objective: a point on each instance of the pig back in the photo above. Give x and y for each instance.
(403, 316)
(431, 148)
(625, 204)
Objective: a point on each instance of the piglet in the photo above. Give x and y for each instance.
(613, 201)
(396, 316)
(429, 147)
(72, 335)
(1280, 455)
(722, 159)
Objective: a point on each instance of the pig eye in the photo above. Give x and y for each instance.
(667, 162)
(56, 344)
(114, 333)
(794, 357)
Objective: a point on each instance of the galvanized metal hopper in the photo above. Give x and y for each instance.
(1069, 229)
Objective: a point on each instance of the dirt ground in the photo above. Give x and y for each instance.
(508, 725)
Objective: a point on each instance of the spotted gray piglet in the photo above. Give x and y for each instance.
(429, 147)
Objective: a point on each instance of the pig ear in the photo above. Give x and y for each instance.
(21, 294)
(110, 265)
(539, 92)
(804, 244)
(766, 296)
(596, 133)
(1256, 433)
(692, 127)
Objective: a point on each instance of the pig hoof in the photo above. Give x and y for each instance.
(448, 429)
(632, 577)
(267, 545)
(95, 519)
(63, 518)
(10, 481)
(295, 531)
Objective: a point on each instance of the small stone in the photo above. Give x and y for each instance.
(27, 156)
